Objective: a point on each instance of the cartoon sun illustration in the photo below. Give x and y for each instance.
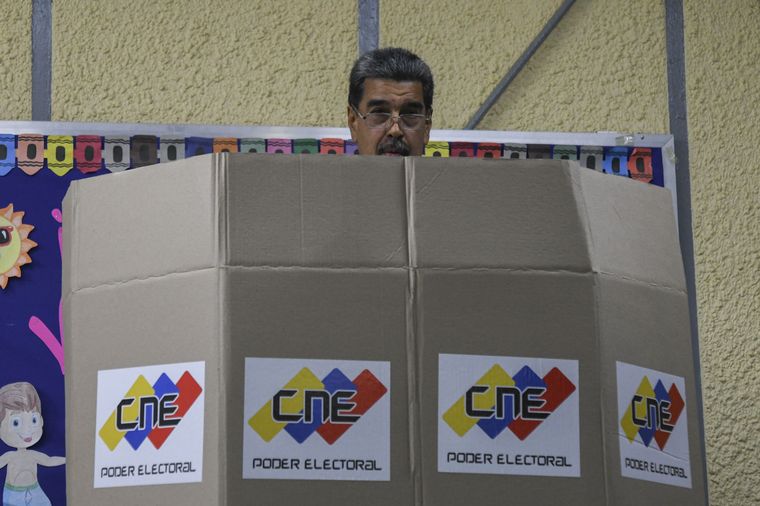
(14, 244)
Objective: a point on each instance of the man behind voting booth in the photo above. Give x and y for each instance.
(390, 103)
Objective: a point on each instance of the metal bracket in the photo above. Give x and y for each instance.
(519, 64)
(42, 48)
(369, 25)
(674, 23)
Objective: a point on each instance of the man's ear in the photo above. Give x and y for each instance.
(351, 120)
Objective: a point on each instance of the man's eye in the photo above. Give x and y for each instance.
(16, 422)
(34, 420)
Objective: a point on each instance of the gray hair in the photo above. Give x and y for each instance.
(392, 63)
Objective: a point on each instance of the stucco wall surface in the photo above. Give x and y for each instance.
(197, 61)
(723, 92)
(16, 66)
(602, 68)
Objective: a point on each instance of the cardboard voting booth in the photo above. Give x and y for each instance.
(259, 329)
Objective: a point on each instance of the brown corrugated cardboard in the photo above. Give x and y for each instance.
(410, 267)
(547, 261)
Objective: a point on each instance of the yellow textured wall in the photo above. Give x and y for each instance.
(197, 61)
(16, 62)
(723, 92)
(603, 67)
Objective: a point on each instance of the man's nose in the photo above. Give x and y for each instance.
(395, 129)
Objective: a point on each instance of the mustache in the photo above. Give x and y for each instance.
(394, 145)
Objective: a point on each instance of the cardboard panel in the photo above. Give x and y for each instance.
(476, 213)
(650, 331)
(131, 325)
(495, 314)
(336, 211)
(632, 228)
(165, 222)
(319, 314)
(537, 265)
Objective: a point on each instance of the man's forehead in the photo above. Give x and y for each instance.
(388, 90)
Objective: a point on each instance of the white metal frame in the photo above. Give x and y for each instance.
(663, 141)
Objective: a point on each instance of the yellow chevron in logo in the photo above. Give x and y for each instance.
(110, 435)
(629, 428)
(262, 421)
(456, 416)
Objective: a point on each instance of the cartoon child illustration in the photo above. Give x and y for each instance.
(21, 427)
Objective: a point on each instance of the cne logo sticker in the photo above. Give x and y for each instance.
(316, 419)
(329, 406)
(527, 420)
(652, 413)
(498, 401)
(149, 425)
(150, 411)
(654, 442)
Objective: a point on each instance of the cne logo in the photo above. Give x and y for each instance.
(498, 401)
(328, 406)
(150, 411)
(652, 413)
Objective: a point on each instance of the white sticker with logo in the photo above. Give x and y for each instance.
(316, 419)
(508, 415)
(149, 425)
(652, 429)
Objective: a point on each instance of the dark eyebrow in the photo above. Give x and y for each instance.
(413, 106)
(377, 103)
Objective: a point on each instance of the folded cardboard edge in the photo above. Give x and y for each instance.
(218, 165)
(157, 238)
(221, 231)
(654, 258)
(69, 213)
(413, 359)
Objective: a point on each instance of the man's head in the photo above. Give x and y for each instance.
(20, 415)
(390, 102)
